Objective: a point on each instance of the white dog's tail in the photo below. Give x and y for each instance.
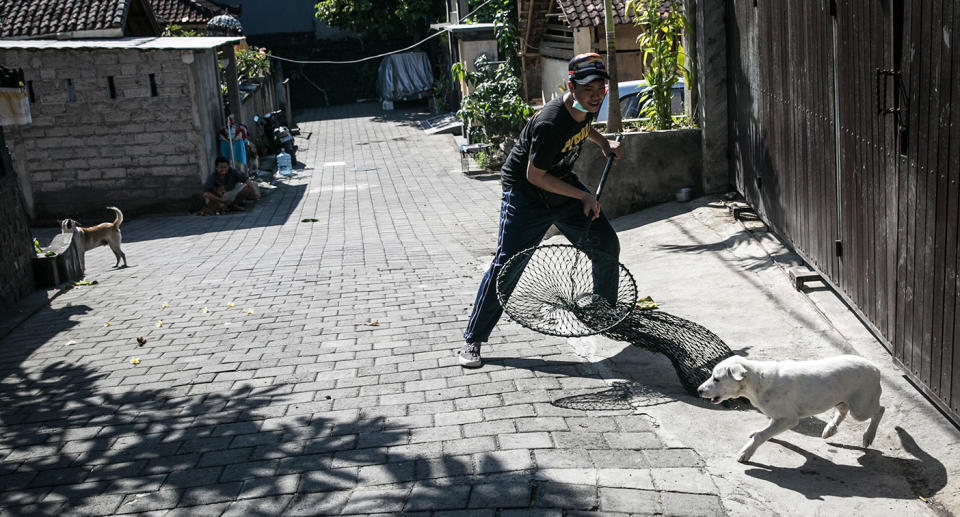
(119, 219)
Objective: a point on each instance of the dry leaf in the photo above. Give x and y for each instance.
(164, 305)
(206, 310)
(135, 360)
(107, 324)
(71, 342)
(230, 304)
(141, 340)
(159, 324)
(249, 311)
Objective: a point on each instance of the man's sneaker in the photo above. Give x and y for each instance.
(469, 356)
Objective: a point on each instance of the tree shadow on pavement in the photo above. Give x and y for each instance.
(877, 476)
(87, 441)
(407, 115)
(274, 209)
(25, 334)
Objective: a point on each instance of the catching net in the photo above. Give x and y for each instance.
(691, 348)
(563, 290)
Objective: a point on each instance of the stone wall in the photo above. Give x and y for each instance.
(16, 244)
(123, 127)
(654, 166)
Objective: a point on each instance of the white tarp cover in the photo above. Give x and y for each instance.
(14, 107)
(404, 76)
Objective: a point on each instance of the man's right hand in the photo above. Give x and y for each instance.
(591, 207)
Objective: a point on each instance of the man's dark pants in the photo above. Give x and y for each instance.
(524, 220)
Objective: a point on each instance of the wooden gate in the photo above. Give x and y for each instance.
(925, 332)
(842, 140)
(783, 129)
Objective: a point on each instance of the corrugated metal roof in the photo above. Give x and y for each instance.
(198, 43)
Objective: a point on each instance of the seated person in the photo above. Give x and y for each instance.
(235, 184)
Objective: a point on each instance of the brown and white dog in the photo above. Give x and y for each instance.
(96, 236)
(212, 206)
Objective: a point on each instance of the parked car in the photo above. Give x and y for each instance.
(630, 97)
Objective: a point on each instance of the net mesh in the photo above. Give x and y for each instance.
(691, 348)
(562, 290)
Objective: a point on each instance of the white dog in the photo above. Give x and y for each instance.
(790, 390)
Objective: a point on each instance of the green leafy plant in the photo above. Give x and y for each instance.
(402, 20)
(494, 110)
(174, 30)
(252, 62)
(39, 251)
(441, 93)
(661, 24)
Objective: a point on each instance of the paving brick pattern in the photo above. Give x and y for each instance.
(307, 368)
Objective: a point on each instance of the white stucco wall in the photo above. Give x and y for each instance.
(553, 77)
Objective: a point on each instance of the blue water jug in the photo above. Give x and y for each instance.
(284, 166)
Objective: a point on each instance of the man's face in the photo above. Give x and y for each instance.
(221, 169)
(590, 95)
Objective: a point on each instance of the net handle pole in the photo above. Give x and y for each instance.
(582, 241)
(606, 168)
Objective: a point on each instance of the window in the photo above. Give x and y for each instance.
(33, 96)
(71, 91)
(111, 87)
(153, 85)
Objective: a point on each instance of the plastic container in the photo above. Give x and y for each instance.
(284, 165)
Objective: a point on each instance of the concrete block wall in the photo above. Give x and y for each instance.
(144, 149)
(654, 165)
(16, 244)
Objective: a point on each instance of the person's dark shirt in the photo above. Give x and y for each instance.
(228, 182)
(551, 141)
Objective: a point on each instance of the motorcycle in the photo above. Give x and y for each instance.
(278, 136)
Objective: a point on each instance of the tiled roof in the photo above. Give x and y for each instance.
(39, 18)
(589, 13)
(185, 11)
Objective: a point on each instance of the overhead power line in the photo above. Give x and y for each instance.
(361, 60)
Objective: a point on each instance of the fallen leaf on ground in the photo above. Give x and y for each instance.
(164, 305)
(230, 304)
(135, 360)
(107, 324)
(647, 303)
(159, 324)
(141, 340)
(71, 342)
(372, 323)
(249, 311)
(206, 310)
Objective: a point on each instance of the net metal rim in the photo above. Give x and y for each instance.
(624, 278)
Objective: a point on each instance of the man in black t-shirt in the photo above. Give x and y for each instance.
(540, 189)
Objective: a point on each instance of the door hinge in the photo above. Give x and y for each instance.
(838, 247)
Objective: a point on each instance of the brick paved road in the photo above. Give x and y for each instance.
(304, 368)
